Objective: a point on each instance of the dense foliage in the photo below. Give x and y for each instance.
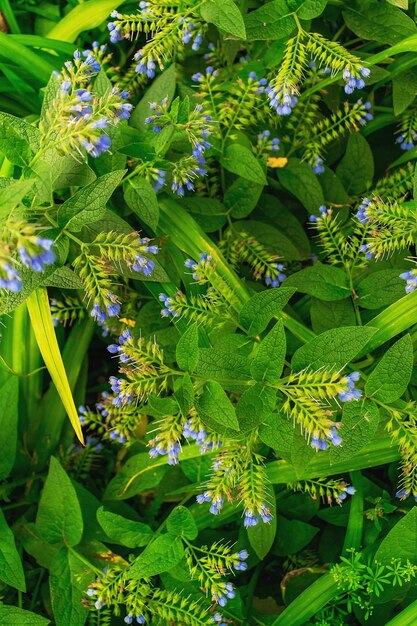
(208, 216)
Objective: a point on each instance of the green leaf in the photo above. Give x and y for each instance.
(141, 198)
(356, 169)
(380, 22)
(209, 213)
(359, 424)
(184, 393)
(11, 569)
(163, 86)
(137, 475)
(241, 197)
(227, 367)
(241, 161)
(275, 240)
(254, 405)
(325, 282)
(327, 315)
(124, 531)
(258, 311)
(89, 203)
(181, 523)
(262, 536)
(12, 194)
(13, 616)
(225, 15)
(186, 352)
(404, 89)
(64, 278)
(18, 139)
(401, 540)
(158, 557)
(268, 362)
(380, 289)
(299, 179)
(307, 9)
(215, 408)
(9, 412)
(292, 536)
(271, 21)
(68, 582)
(389, 380)
(59, 518)
(332, 349)
(415, 183)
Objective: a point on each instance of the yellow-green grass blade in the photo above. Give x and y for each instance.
(41, 319)
(85, 16)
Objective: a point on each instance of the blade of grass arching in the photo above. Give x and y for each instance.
(83, 17)
(9, 16)
(36, 41)
(46, 436)
(379, 452)
(38, 67)
(41, 319)
(309, 602)
(407, 617)
(33, 384)
(353, 537)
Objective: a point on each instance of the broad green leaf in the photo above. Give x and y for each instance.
(158, 557)
(89, 203)
(258, 311)
(389, 380)
(41, 320)
(141, 198)
(181, 523)
(229, 368)
(124, 531)
(262, 536)
(12, 194)
(163, 86)
(307, 9)
(254, 405)
(277, 432)
(404, 90)
(241, 197)
(332, 349)
(9, 412)
(271, 21)
(379, 22)
(137, 475)
(187, 349)
(268, 362)
(85, 16)
(327, 315)
(11, 569)
(215, 408)
(292, 536)
(325, 282)
(225, 15)
(241, 161)
(360, 421)
(13, 616)
(401, 541)
(209, 213)
(49, 94)
(299, 179)
(184, 393)
(18, 139)
(356, 169)
(380, 289)
(68, 582)
(273, 239)
(59, 518)
(63, 278)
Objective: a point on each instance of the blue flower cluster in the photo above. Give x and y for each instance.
(404, 144)
(205, 259)
(362, 215)
(187, 34)
(147, 66)
(222, 598)
(355, 82)
(240, 565)
(129, 619)
(411, 278)
(264, 141)
(351, 392)
(367, 251)
(115, 348)
(168, 306)
(251, 519)
(316, 218)
(100, 315)
(211, 73)
(333, 437)
(283, 100)
(403, 494)
(36, 253)
(347, 490)
(10, 278)
(172, 451)
(278, 279)
(366, 117)
(318, 166)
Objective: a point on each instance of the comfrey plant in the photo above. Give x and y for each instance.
(199, 250)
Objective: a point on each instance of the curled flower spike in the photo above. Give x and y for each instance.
(282, 100)
(275, 281)
(354, 79)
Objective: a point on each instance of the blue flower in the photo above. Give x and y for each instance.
(250, 520)
(318, 167)
(143, 265)
(411, 278)
(115, 34)
(12, 280)
(98, 314)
